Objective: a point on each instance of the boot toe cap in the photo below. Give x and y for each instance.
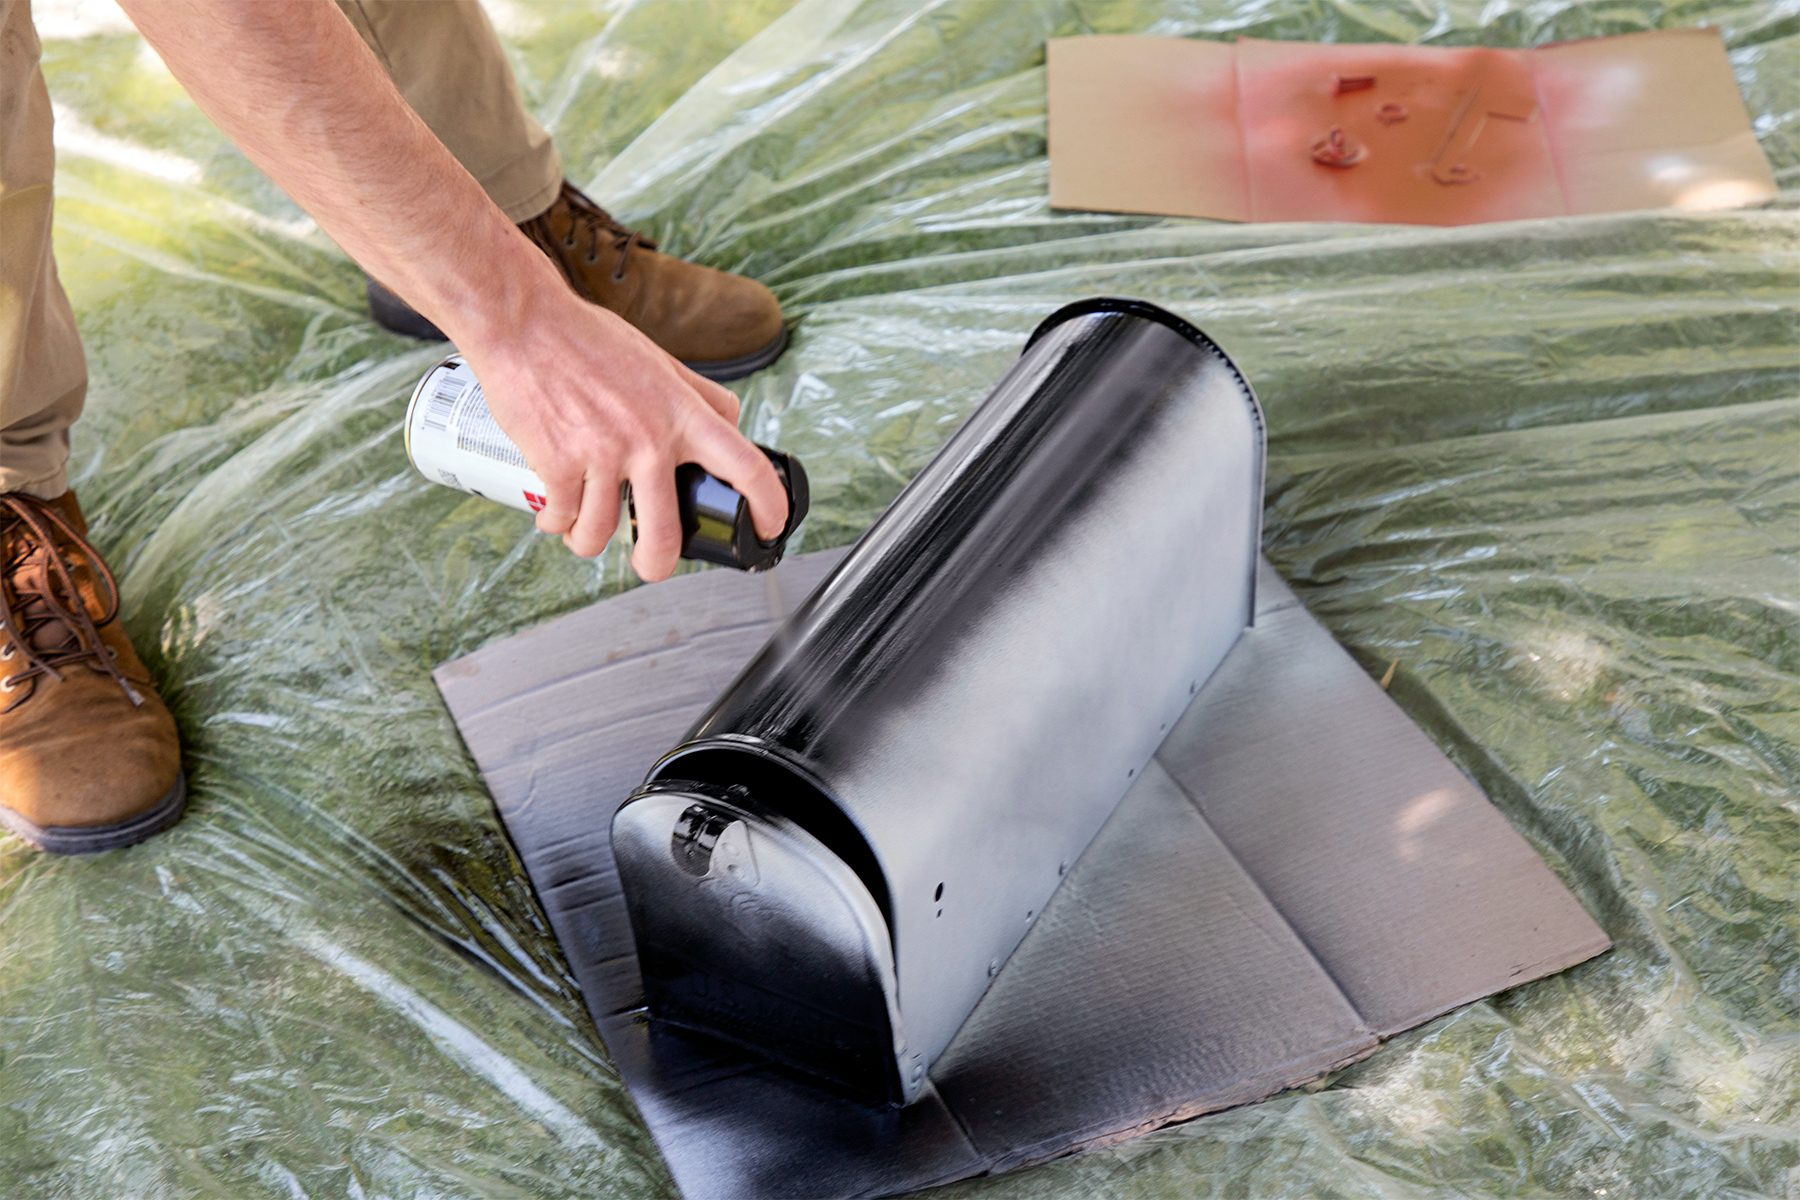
(94, 773)
(738, 328)
(742, 317)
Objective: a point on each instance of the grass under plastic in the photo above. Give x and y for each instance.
(1549, 467)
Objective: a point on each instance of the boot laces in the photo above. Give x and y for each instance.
(589, 222)
(43, 615)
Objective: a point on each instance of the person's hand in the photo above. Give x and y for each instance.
(593, 403)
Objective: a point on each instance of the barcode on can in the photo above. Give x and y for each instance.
(442, 404)
(454, 440)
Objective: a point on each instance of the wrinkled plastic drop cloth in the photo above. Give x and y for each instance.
(1550, 468)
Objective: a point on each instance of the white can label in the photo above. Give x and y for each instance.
(454, 440)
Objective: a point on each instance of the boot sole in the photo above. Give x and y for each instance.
(91, 839)
(723, 370)
(397, 316)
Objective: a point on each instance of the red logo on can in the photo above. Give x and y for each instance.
(536, 501)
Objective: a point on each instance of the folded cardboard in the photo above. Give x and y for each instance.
(1287, 131)
(1299, 874)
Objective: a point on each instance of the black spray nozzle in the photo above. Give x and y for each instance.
(715, 520)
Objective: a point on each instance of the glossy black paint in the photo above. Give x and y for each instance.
(915, 760)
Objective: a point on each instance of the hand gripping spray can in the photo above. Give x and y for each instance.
(453, 439)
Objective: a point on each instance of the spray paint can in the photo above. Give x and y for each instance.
(453, 439)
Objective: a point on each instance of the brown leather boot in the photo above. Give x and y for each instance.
(89, 757)
(721, 326)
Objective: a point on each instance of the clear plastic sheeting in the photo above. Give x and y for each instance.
(1549, 468)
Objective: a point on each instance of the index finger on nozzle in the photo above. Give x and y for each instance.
(726, 453)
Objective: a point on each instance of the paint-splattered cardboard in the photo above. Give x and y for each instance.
(1298, 874)
(1287, 131)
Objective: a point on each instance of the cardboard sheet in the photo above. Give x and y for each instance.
(1285, 131)
(1298, 874)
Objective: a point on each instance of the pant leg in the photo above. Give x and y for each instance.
(444, 57)
(43, 375)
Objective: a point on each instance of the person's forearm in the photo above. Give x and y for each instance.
(301, 94)
(590, 401)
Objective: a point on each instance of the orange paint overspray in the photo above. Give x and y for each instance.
(1471, 146)
(1274, 131)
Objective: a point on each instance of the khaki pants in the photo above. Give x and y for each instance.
(446, 61)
